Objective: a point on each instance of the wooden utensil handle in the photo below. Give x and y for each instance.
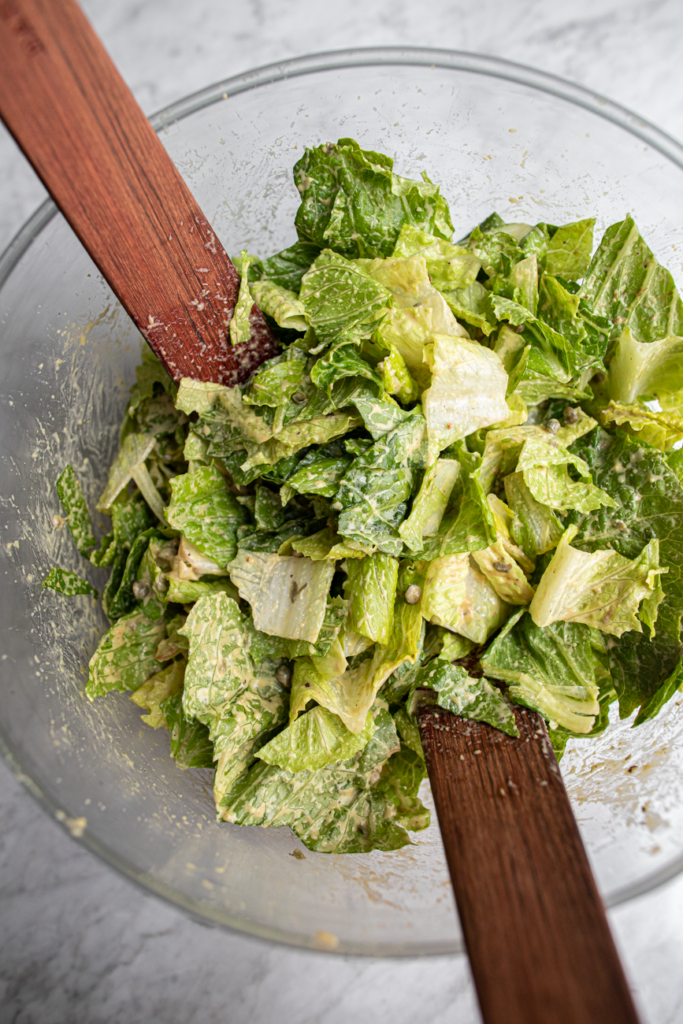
(98, 156)
(535, 928)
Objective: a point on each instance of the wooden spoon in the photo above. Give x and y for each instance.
(535, 928)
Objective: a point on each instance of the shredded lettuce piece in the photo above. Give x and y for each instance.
(78, 518)
(314, 740)
(458, 596)
(125, 657)
(660, 429)
(467, 390)
(157, 689)
(67, 583)
(207, 512)
(458, 692)
(550, 670)
(341, 302)
(281, 304)
(601, 588)
(371, 584)
(287, 594)
(240, 325)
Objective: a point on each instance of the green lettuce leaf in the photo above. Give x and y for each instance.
(342, 362)
(407, 279)
(352, 201)
(281, 304)
(240, 707)
(205, 510)
(627, 285)
(544, 464)
(653, 369)
(78, 517)
(648, 500)
(660, 429)
(132, 454)
(467, 390)
(642, 670)
(287, 594)
(550, 670)
(240, 326)
(352, 694)
(158, 688)
(472, 303)
(431, 503)
(129, 519)
(396, 377)
(341, 302)
(601, 588)
(456, 595)
(469, 525)
(470, 698)
(125, 657)
(409, 330)
(276, 381)
(189, 591)
(328, 544)
(568, 251)
(314, 740)
(373, 495)
(190, 743)
(287, 268)
(449, 266)
(371, 587)
(535, 527)
(67, 583)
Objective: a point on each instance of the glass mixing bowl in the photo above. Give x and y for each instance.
(494, 136)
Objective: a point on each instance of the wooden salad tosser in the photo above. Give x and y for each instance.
(534, 925)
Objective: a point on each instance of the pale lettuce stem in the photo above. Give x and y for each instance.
(140, 474)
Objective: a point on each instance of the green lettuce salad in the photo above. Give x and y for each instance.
(458, 482)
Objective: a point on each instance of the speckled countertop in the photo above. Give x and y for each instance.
(79, 944)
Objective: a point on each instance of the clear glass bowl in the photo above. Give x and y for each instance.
(495, 136)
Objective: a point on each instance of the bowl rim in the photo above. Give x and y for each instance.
(387, 56)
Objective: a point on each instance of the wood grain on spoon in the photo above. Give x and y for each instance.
(534, 925)
(98, 156)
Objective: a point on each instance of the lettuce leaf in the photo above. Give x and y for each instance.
(371, 586)
(205, 510)
(287, 594)
(396, 377)
(550, 670)
(276, 381)
(341, 302)
(314, 740)
(469, 525)
(407, 279)
(240, 324)
(627, 285)
(535, 527)
(456, 595)
(467, 390)
(652, 369)
(449, 266)
(431, 503)
(78, 517)
(373, 495)
(601, 588)
(568, 252)
(67, 583)
(648, 500)
(190, 743)
(158, 688)
(281, 304)
(470, 698)
(240, 707)
(125, 656)
(660, 429)
(287, 268)
(352, 201)
(642, 670)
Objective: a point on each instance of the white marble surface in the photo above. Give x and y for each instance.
(78, 943)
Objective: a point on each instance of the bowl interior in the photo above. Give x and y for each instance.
(67, 358)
